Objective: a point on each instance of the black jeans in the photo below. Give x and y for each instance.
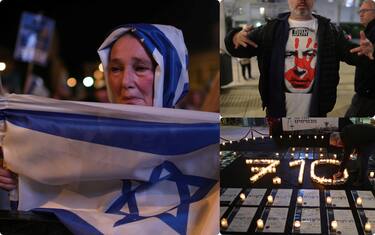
(363, 155)
(361, 107)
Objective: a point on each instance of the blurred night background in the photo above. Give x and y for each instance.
(80, 28)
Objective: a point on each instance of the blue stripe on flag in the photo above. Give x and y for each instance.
(73, 222)
(151, 137)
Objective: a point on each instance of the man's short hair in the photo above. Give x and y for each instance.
(371, 2)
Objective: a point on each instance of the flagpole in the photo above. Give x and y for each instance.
(28, 80)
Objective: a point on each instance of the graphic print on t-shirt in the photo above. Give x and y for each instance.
(300, 59)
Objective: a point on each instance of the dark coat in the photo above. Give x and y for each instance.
(365, 77)
(271, 38)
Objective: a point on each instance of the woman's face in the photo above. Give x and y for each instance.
(131, 72)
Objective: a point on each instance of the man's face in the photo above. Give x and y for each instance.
(301, 8)
(300, 65)
(131, 72)
(366, 13)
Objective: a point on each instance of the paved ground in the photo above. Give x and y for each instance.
(241, 98)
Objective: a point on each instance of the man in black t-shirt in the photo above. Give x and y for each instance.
(359, 139)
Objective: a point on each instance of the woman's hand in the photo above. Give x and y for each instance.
(7, 179)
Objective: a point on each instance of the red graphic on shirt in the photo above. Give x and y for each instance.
(302, 73)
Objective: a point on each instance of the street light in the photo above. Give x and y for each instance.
(2, 64)
(2, 68)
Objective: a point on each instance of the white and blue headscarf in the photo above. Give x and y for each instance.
(167, 47)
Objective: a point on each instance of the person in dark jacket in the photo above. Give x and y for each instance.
(355, 139)
(363, 102)
(298, 57)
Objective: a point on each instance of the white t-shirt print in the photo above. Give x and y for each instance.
(300, 64)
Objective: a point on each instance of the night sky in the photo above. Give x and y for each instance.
(83, 25)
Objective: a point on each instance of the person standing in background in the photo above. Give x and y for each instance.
(363, 102)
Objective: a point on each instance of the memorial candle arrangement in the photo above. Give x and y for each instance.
(323, 180)
(300, 163)
(271, 168)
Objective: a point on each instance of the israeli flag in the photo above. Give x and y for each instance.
(114, 169)
(166, 45)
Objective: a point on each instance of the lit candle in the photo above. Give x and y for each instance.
(260, 224)
(334, 225)
(224, 223)
(368, 227)
(329, 200)
(242, 197)
(299, 200)
(270, 199)
(359, 201)
(372, 174)
(297, 224)
(301, 171)
(276, 180)
(293, 149)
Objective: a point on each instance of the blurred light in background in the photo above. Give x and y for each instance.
(71, 82)
(349, 3)
(257, 24)
(98, 75)
(100, 67)
(2, 64)
(88, 81)
(99, 84)
(262, 10)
